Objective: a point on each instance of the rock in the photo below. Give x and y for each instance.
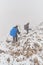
(8, 60)
(36, 62)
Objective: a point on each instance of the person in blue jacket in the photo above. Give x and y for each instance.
(14, 31)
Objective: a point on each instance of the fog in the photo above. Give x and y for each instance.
(19, 12)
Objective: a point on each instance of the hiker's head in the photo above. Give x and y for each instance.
(28, 23)
(16, 26)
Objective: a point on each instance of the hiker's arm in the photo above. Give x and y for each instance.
(18, 31)
(29, 29)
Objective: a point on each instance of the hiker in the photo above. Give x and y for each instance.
(26, 27)
(14, 33)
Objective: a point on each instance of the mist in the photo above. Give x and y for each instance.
(18, 12)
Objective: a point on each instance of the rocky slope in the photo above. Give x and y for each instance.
(27, 51)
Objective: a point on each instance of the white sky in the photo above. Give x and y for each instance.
(19, 12)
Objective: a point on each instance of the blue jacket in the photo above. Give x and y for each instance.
(13, 32)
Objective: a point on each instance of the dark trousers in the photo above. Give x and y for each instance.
(15, 39)
(27, 31)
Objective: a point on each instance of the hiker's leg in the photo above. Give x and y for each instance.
(27, 31)
(16, 38)
(13, 39)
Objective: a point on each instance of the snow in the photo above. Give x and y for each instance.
(27, 51)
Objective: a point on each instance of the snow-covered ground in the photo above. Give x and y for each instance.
(27, 51)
